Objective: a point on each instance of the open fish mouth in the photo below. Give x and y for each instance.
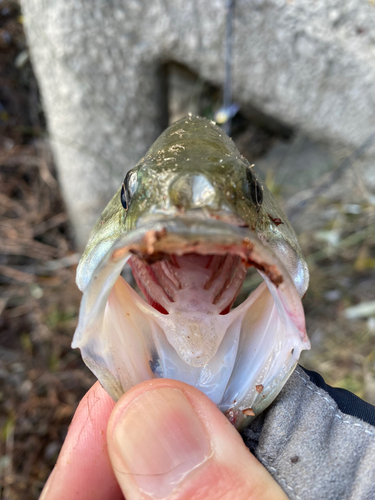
(185, 327)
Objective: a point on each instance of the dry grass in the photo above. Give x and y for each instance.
(343, 350)
(41, 378)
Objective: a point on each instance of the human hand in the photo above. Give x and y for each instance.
(163, 439)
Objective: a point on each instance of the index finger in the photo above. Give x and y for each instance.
(83, 470)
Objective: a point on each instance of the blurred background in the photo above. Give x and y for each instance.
(324, 183)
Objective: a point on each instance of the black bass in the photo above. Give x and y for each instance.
(190, 219)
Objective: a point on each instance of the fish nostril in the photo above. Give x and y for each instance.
(192, 191)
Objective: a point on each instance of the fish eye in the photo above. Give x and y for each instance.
(128, 188)
(255, 189)
(124, 201)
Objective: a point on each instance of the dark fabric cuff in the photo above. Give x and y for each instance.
(346, 401)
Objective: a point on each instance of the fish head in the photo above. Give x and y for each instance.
(190, 219)
(194, 170)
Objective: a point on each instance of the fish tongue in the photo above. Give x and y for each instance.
(195, 336)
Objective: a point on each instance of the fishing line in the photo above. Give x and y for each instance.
(228, 64)
(225, 114)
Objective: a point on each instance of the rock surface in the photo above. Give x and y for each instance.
(308, 65)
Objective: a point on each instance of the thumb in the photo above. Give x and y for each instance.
(166, 439)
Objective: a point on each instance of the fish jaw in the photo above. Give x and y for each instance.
(240, 358)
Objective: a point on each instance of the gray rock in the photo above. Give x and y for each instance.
(308, 65)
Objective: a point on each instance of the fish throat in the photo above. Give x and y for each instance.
(190, 283)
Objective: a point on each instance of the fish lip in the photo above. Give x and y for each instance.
(182, 235)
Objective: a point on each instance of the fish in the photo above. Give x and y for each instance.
(190, 220)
